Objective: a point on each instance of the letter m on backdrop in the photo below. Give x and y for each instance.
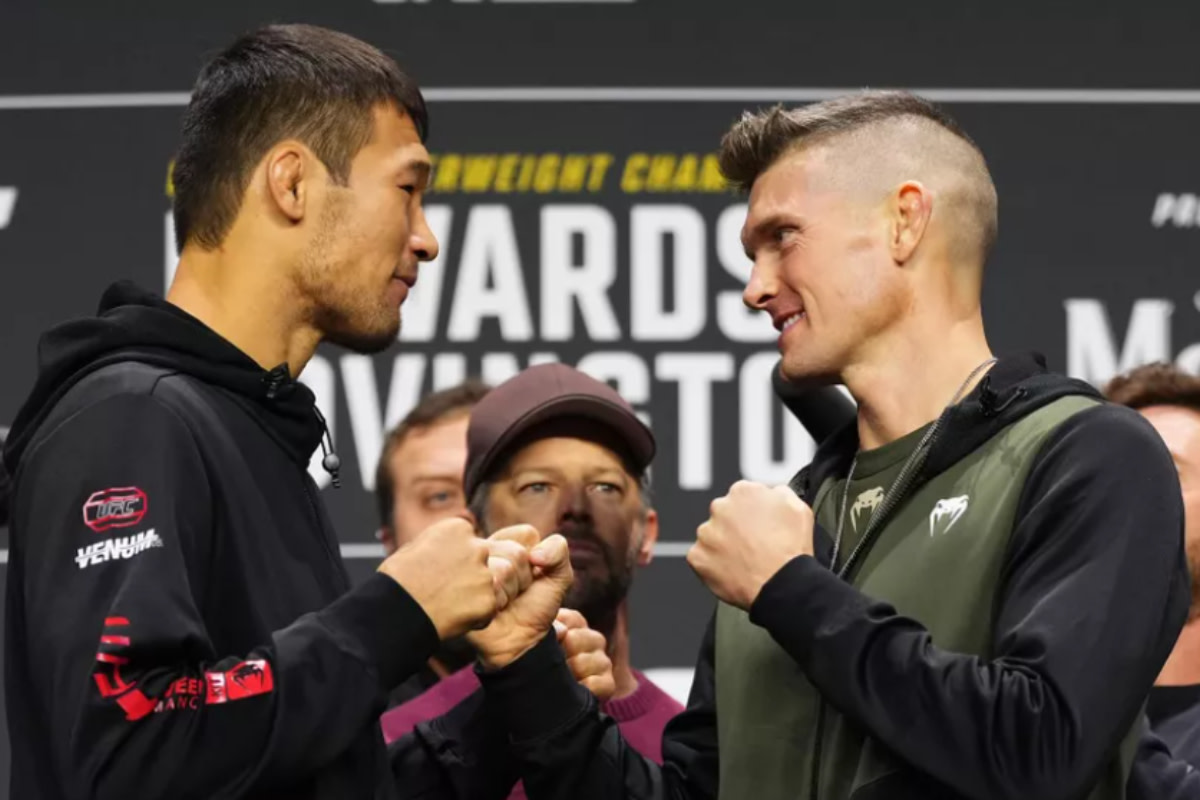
(8, 201)
(1093, 353)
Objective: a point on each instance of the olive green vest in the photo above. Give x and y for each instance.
(937, 560)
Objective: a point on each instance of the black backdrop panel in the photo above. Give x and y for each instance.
(586, 228)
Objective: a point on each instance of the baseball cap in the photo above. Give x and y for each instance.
(540, 395)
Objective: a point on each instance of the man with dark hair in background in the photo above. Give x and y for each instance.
(179, 621)
(968, 593)
(418, 482)
(419, 478)
(1169, 399)
(559, 450)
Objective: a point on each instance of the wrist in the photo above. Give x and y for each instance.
(761, 581)
(493, 660)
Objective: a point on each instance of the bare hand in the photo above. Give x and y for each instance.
(527, 618)
(586, 652)
(445, 569)
(751, 533)
(508, 559)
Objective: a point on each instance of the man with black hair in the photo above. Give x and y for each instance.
(179, 620)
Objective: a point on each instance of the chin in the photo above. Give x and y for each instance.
(365, 342)
(804, 373)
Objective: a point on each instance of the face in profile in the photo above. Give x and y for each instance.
(822, 269)
(427, 478)
(581, 490)
(370, 236)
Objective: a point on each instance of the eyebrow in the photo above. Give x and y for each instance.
(756, 233)
(590, 474)
(444, 478)
(422, 169)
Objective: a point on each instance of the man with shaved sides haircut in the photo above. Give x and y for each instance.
(970, 589)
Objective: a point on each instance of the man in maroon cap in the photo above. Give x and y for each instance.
(559, 450)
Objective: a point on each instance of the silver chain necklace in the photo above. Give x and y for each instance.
(901, 479)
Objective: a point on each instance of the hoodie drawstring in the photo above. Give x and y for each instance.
(275, 380)
(329, 461)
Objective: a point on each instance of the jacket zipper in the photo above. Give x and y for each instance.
(275, 379)
(874, 528)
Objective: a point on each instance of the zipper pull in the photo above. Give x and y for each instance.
(275, 379)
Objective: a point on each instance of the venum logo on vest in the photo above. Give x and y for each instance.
(947, 512)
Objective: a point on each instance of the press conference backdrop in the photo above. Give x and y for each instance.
(582, 218)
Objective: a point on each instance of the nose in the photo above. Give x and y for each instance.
(421, 237)
(573, 504)
(762, 288)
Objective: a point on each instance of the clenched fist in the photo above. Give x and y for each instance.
(526, 619)
(445, 569)
(508, 559)
(750, 534)
(586, 652)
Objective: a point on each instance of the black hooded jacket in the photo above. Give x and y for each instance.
(866, 658)
(179, 620)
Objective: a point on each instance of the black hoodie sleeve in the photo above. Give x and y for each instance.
(568, 750)
(135, 697)
(462, 754)
(1156, 774)
(1093, 594)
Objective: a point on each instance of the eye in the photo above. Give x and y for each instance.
(409, 189)
(781, 234)
(441, 499)
(606, 488)
(536, 487)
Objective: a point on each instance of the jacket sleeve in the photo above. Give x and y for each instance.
(1093, 594)
(1157, 775)
(462, 754)
(112, 533)
(567, 749)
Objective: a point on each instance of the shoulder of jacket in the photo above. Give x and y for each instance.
(111, 386)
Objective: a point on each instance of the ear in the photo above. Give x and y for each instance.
(469, 516)
(287, 168)
(649, 538)
(913, 208)
(387, 538)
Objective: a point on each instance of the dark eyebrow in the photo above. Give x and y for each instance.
(760, 228)
(422, 169)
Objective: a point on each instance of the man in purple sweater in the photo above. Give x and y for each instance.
(561, 451)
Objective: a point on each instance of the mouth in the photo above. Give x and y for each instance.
(783, 323)
(582, 552)
(408, 280)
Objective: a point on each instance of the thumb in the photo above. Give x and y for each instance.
(553, 556)
(525, 535)
(786, 492)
